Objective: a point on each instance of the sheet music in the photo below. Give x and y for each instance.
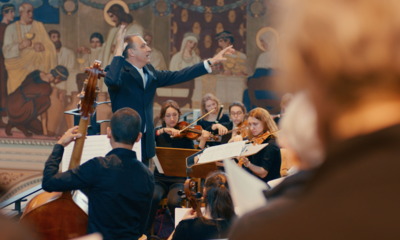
(95, 145)
(250, 149)
(217, 153)
(246, 190)
(228, 151)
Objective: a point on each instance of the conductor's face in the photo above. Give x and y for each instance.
(141, 51)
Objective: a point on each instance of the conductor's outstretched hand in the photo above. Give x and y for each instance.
(220, 56)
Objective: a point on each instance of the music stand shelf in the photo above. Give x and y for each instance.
(173, 162)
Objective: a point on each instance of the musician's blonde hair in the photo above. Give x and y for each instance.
(206, 97)
(346, 53)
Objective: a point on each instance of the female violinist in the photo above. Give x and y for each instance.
(167, 136)
(211, 103)
(266, 163)
(218, 216)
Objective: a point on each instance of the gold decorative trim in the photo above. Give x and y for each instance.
(273, 33)
(36, 180)
(109, 4)
(36, 142)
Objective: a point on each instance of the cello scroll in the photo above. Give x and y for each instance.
(193, 196)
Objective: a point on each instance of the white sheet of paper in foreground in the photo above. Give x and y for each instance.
(229, 150)
(217, 153)
(95, 146)
(180, 213)
(246, 190)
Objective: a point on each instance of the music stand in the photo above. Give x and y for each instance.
(200, 170)
(173, 160)
(173, 163)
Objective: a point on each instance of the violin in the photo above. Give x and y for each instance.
(189, 131)
(256, 140)
(240, 129)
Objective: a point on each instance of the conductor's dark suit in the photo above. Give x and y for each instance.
(126, 89)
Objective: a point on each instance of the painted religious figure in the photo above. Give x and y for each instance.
(236, 63)
(27, 47)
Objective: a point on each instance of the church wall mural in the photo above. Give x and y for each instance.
(47, 44)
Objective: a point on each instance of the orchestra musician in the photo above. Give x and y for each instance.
(236, 126)
(219, 212)
(118, 186)
(167, 135)
(266, 163)
(209, 103)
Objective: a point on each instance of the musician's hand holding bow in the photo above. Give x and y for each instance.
(172, 131)
(70, 135)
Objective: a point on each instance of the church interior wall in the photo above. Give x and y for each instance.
(75, 30)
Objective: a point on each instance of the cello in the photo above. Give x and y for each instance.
(193, 196)
(55, 216)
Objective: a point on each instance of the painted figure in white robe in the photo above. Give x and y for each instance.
(267, 40)
(93, 52)
(8, 13)
(65, 56)
(187, 55)
(27, 47)
(156, 56)
(118, 16)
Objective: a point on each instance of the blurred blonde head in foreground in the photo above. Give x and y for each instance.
(347, 54)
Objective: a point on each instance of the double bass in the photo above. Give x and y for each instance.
(55, 216)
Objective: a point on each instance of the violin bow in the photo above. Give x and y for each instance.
(188, 126)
